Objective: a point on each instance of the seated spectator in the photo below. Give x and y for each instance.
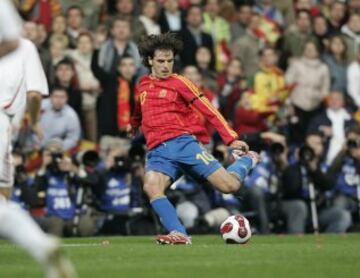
(333, 123)
(239, 26)
(194, 37)
(335, 59)
(351, 34)
(59, 120)
(353, 82)
(336, 17)
(296, 197)
(344, 171)
(65, 76)
(311, 80)
(54, 183)
(88, 84)
(148, 17)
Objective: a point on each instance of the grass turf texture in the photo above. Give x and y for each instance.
(264, 256)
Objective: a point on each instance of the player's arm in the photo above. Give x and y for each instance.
(10, 27)
(193, 95)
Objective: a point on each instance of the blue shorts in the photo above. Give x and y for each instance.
(181, 155)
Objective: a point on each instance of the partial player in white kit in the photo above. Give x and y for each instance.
(22, 79)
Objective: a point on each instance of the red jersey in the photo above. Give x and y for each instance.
(164, 111)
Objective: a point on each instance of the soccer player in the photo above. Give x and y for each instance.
(164, 110)
(22, 77)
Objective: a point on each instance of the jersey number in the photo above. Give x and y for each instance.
(205, 157)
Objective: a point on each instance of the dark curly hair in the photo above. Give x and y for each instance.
(149, 44)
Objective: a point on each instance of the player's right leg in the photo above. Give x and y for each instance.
(18, 226)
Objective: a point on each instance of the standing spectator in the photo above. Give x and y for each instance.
(336, 18)
(353, 82)
(293, 42)
(247, 47)
(65, 76)
(117, 46)
(312, 83)
(148, 17)
(116, 101)
(58, 25)
(351, 32)
(126, 9)
(41, 11)
(321, 32)
(239, 26)
(88, 84)
(171, 17)
(59, 120)
(231, 85)
(219, 29)
(335, 59)
(57, 47)
(194, 36)
(333, 123)
(74, 18)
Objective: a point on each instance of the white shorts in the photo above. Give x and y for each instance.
(6, 165)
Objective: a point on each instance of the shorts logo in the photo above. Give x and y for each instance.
(163, 93)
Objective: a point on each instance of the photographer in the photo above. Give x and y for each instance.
(54, 182)
(345, 171)
(262, 184)
(296, 191)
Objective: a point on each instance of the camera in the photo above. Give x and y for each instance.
(56, 158)
(90, 159)
(277, 148)
(306, 154)
(353, 143)
(120, 165)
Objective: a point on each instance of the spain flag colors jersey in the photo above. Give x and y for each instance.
(165, 109)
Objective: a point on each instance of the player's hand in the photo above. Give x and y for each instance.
(37, 129)
(240, 145)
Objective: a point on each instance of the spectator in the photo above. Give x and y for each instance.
(312, 83)
(219, 29)
(59, 25)
(307, 5)
(194, 37)
(351, 32)
(269, 88)
(332, 123)
(345, 172)
(74, 19)
(231, 85)
(59, 120)
(247, 47)
(65, 76)
(88, 84)
(293, 42)
(353, 82)
(336, 17)
(116, 101)
(325, 7)
(171, 17)
(117, 46)
(295, 192)
(57, 47)
(204, 63)
(321, 33)
(148, 17)
(239, 26)
(126, 9)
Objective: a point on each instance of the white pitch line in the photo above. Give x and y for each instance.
(82, 244)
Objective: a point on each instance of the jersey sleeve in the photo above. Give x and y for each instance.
(10, 22)
(136, 117)
(192, 94)
(34, 72)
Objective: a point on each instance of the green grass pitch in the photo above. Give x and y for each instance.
(264, 256)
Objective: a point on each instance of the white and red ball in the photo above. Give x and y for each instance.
(236, 229)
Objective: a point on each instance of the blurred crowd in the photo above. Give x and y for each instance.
(285, 75)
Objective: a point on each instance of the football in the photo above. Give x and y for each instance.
(236, 229)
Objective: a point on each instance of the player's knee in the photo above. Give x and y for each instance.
(152, 190)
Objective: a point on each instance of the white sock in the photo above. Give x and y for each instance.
(18, 226)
